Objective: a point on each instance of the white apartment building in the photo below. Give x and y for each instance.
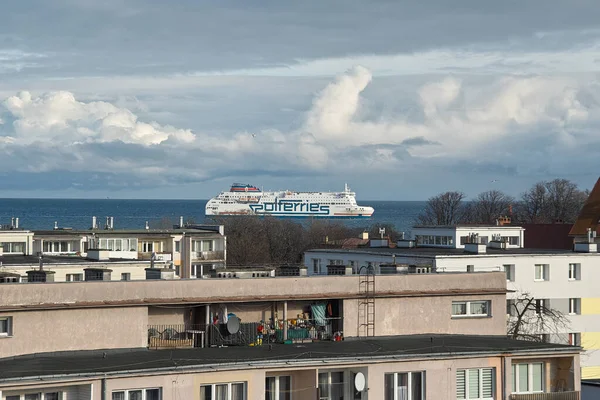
(564, 280)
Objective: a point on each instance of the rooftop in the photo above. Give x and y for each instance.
(467, 226)
(441, 251)
(96, 363)
(71, 232)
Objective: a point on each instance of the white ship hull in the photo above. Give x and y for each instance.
(249, 200)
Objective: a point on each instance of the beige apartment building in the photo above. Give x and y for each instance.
(191, 251)
(403, 336)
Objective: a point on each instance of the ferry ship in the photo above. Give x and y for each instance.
(244, 199)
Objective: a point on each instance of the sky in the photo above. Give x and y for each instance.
(400, 99)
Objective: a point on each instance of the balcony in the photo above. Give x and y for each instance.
(547, 396)
(164, 256)
(249, 334)
(209, 255)
(175, 336)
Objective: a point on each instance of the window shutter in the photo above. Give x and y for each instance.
(487, 382)
(460, 385)
(473, 384)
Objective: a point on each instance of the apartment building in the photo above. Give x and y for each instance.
(285, 337)
(563, 280)
(192, 251)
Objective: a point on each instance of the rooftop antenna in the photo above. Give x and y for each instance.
(382, 232)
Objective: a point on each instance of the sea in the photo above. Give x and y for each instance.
(42, 214)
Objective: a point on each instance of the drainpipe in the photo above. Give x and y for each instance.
(103, 389)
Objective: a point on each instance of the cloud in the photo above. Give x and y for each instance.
(526, 125)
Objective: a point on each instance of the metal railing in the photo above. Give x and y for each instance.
(573, 395)
(176, 336)
(209, 255)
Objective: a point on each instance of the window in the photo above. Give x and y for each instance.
(223, 391)
(278, 388)
(528, 378)
(541, 305)
(148, 247)
(33, 396)
(511, 307)
(52, 396)
(510, 272)
(331, 385)
(137, 394)
(203, 245)
(5, 326)
(74, 277)
(542, 272)
(13, 397)
(37, 396)
(479, 308)
(470, 268)
(476, 383)
(574, 272)
(13, 247)
(405, 386)
(575, 339)
(574, 306)
(315, 263)
(125, 276)
(177, 246)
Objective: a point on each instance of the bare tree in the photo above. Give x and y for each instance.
(443, 209)
(529, 318)
(532, 207)
(548, 202)
(487, 207)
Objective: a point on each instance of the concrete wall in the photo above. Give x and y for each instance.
(47, 295)
(407, 316)
(83, 329)
(167, 316)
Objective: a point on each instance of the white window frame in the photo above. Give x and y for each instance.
(329, 372)
(540, 305)
(469, 313)
(409, 387)
(544, 274)
(574, 271)
(126, 275)
(516, 383)
(213, 389)
(575, 339)
(277, 378)
(480, 379)
(9, 326)
(126, 392)
(509, 269)
(42, 395)
(71, 277)
(574, 306)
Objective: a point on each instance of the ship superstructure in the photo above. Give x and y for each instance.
(244, 199)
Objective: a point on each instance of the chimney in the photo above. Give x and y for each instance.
(94, 223)
(112, 222)
(107, 226)
(12, 222)
(17, 223)
(181, 222)
(147, 226)
(55, 225)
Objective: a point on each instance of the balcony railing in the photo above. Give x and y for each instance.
(547, 396)
(175, 336)
(249, 334)
(209, 255)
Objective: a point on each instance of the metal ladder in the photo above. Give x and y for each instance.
(366, 303)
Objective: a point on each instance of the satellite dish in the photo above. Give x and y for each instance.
(359, 382)
(233, 325)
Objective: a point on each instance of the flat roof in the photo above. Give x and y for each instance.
(98, 362)
(67, 232)
(441, 251)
